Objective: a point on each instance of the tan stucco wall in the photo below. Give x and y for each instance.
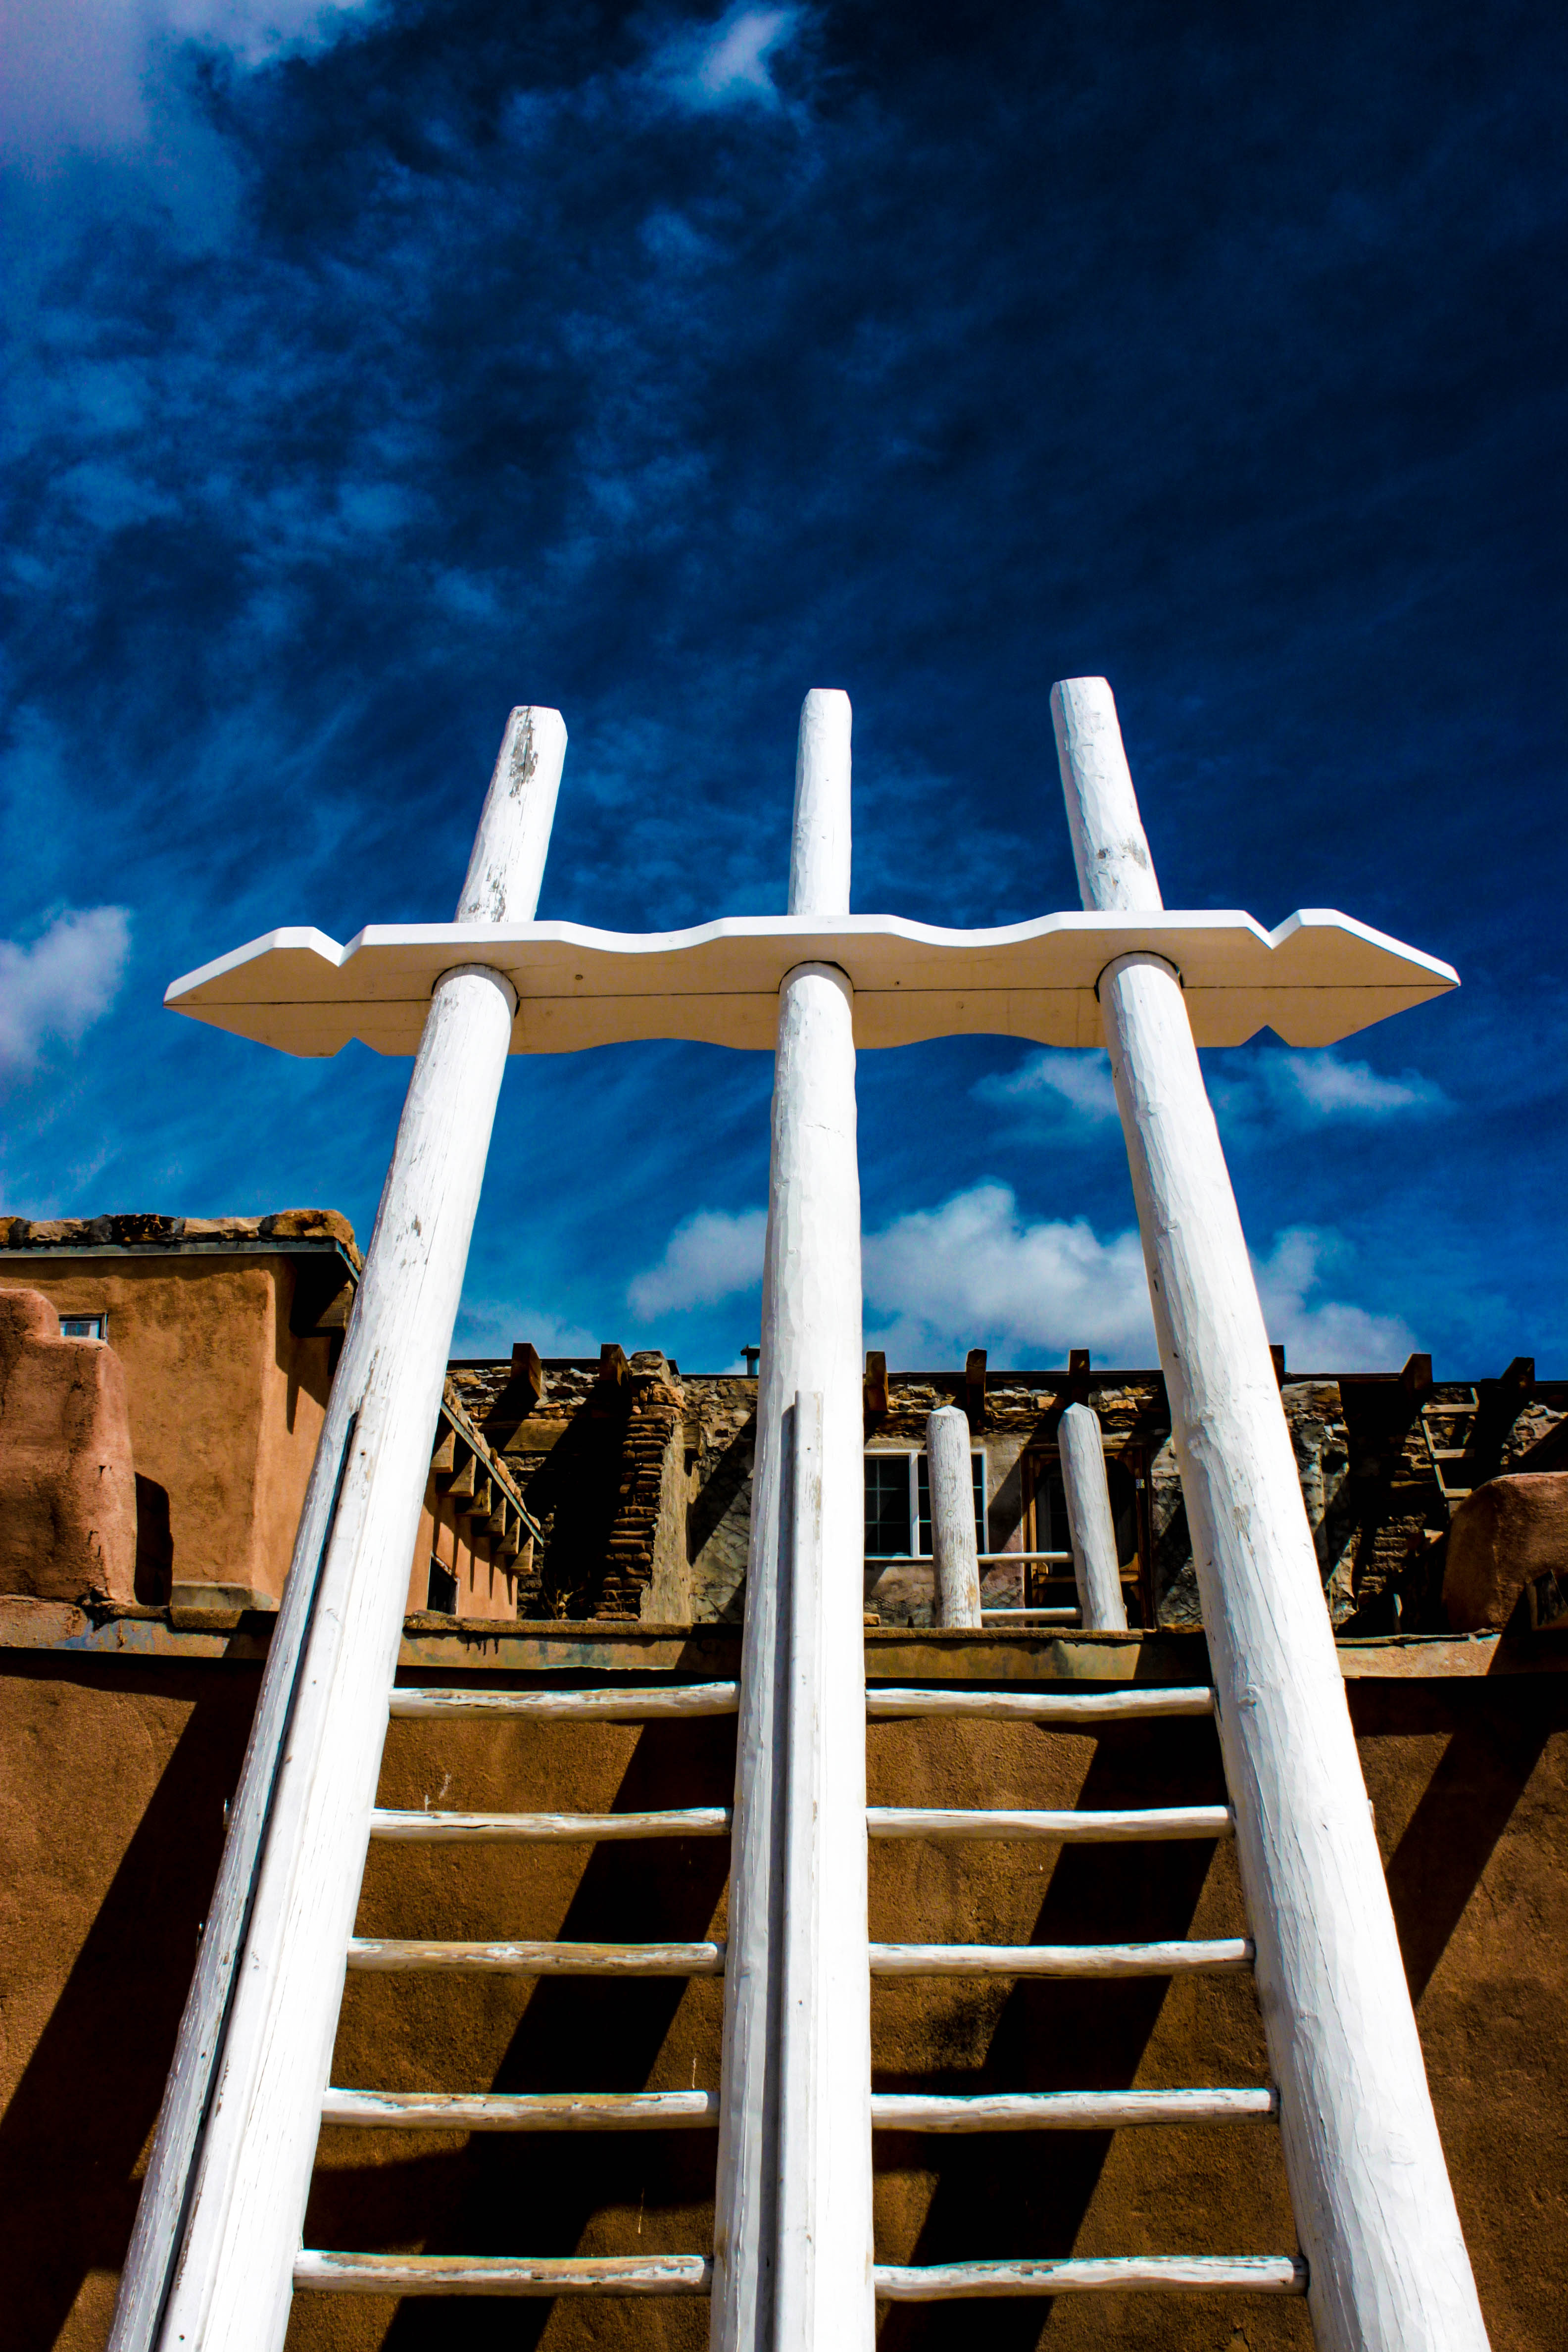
(113, 1778)
(226, 1401)
(484, 1587)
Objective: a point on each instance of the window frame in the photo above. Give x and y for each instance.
(99, 1320)
(915, 1459)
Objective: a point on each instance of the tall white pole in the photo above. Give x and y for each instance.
(222, 2206)
(1091, 1530)
(810, 1346)
(950, 1475)
(1389, 2272)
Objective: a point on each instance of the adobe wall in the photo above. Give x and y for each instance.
(226, 1400)
(113, 1773)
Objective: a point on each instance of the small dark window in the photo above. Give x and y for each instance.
(84, 1327)
(886, 1505)
(442, 1596)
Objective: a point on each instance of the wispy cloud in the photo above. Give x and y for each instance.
(1052, 1077)
(730, 63)
(53, 990)
(1266, 1085)
(1323, 1335)
(76, 76)
(491, 1327)
(1329, 1087)
(711, 1257)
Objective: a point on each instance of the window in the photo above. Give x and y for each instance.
(886, 1505)
(898, 1505)
(442, 1596)
(84, 1327)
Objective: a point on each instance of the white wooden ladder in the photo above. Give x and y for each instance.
(212, 2264)
(523, 2273)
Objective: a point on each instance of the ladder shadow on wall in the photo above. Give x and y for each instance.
(539, 2193)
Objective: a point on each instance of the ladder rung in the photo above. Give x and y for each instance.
(1111, 2275)
(1063, 1706)
(1080, 1828)
(522, 2110)
(559, 1707)
(562, 1829)
(1450, 1453)
(1066, 2110)
(398, 2275)
(389, 1956)
(1227, 1956)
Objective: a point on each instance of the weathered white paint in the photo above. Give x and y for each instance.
(531, 2110)
(954, 1549)
(1112, 2275)
(558, 1829)
(390, 1955)
(572, 1705)
(1220, 1956)
(1118, 1828)
(1066, 2110)
(1371, 2191)
(803, 2095)
(1065, 1708)
(1081, 1450)
(1317, 977)
(811, 1343)
(225, 2195)
(400, 2275)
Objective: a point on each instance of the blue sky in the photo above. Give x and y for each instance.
(374, 368)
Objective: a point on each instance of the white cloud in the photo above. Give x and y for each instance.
(1271, 1084)
(76, 73)
(1330, 1335)
(1082, 1080)
(1332, 1088)
(53, 990)
(973, 1272)
(1268, 1085)
(727, 65)
(709, 1257)
(490, 1326)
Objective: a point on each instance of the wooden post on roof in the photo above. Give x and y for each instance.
(222, 2205)
(954, 1552)
(1389, 2272)
(1091, 1529)
(811, 1349)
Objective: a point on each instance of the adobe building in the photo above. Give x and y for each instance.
(585, 1526)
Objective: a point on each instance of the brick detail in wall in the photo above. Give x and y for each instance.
(597, 1559)
(657, 1411)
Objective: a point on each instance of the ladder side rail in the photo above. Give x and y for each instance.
(236, 2136)
(1389, 2270)
(811, 1340)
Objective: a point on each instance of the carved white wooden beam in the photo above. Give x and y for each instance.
(1389, 2272)
(219, 2220)
(1316, 978)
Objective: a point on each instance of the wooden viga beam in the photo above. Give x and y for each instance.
(1373, 2206)
(218, 2223)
